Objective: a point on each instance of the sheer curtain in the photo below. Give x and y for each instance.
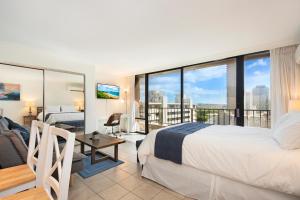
(132, 104)
(285, 83)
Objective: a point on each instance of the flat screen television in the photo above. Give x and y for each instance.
(105, 91)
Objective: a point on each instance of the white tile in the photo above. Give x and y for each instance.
(164, 196)
(131, 183)
(130, 196)
(113, 193)
(146, 191)
(81, 193)
(95, 197)
(100, 184)
(117, 175)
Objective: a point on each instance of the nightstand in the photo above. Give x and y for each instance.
(28, 119)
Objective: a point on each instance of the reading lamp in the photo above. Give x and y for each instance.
(294, 105)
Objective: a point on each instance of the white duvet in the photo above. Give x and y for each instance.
(244, 154)
(62, 117)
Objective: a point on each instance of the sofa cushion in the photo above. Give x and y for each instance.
(12, 150)
(23, 131)
(3, 124)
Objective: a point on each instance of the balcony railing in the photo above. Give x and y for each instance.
(168, 116)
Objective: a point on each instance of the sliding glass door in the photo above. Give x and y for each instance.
(233, 91)
(210, 93)
(164, 99)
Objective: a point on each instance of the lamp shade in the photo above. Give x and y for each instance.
(294, 105)
(30, 103)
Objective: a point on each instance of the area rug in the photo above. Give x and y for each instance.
(91, 170)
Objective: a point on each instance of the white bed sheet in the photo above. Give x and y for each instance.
(61, 117)
(198, 184)
(244, 154)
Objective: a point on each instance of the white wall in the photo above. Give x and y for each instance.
(58, 84)
(105, 107)
(31, 89)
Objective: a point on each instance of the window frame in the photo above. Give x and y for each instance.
(239, 84)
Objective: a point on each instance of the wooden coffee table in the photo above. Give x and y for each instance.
(99, 141)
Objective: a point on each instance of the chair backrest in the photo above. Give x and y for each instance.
(114, 118)
(62, 164)
(37, 149)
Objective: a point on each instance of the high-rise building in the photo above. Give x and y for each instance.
(247, 100)
(260, 97)
(186, 100)
(155, 96)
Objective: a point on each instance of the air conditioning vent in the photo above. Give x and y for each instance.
(76, 87)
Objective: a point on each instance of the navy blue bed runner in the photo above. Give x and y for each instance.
(168, 142)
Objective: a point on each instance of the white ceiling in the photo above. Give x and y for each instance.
(135, 36)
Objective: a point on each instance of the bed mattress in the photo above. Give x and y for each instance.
(53, 118)
(243, 154)
(198, 184)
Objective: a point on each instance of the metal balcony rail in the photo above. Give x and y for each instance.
(169, 116)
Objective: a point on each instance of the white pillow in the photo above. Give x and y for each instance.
(68, 108)
(52, 109)
(287, 131)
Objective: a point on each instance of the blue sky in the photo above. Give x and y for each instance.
(257, 72)
(209, 85)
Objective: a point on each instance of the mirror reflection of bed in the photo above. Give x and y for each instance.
(67, 117)
(64, 101)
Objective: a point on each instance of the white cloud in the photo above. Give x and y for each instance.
(205, 74)
(258, 63)
(202, 95)
(260, 78)
(258, 73)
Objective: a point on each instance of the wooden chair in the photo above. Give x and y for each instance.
(113, 120)
(62, 165)
(22, 177)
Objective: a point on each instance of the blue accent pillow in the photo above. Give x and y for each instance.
(23, 131)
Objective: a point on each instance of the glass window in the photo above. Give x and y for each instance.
(209, 92)
(164, 98)
(257, 91)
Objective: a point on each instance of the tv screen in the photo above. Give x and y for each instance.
(105, 91)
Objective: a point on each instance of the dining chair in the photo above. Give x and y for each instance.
(61, 164)
(22, 177)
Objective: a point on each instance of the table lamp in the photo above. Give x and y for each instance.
(294, 105)
(80, 105)
(30, 104)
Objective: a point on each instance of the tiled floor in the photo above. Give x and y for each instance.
(123, 182)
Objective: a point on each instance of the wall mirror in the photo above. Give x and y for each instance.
(55, 97)
(64, 100)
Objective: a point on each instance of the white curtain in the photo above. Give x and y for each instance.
(285, 80)
(132, 104)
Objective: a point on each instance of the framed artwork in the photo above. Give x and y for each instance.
(9, 92)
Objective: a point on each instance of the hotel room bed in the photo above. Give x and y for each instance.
(62, 117)
(55, 115)
(227, 162)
